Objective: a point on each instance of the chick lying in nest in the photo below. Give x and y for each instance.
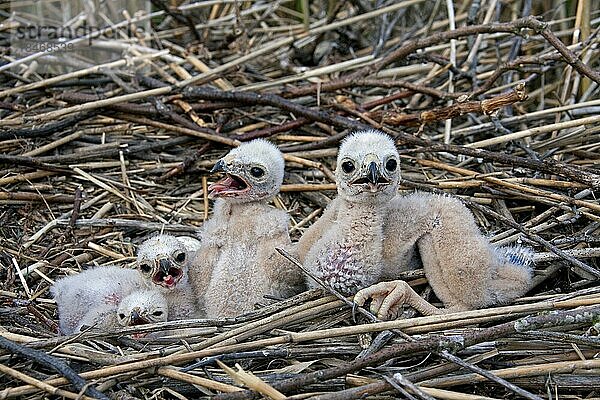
(109, 297)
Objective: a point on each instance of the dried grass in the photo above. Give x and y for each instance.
(97, 159)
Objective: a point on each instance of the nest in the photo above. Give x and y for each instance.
(499, 111)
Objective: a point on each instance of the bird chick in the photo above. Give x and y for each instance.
(143, 307)
(138, 308)
(237, 263)
(369, 234)
(92, 296)
(344, 247)
(163, 261)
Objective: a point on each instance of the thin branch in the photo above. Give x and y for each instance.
(53, 363)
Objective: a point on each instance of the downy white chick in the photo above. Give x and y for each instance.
(163, 261)
(91, 298)
(369, 234)
(345, 246)
(138, 308)
(237, 264)
(143, 307)
(92, 294)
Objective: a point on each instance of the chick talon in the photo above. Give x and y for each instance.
(376, 303)
(395, 298)
(382, 300)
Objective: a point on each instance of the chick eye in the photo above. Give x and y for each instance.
(257, 172)
(122, 316)
(145, 268)
(180, 257)
(348, 166)
(391, 165)
(157, 313)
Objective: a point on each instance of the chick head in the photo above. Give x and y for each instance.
(368, 168)
(142, 307)
(163, 260)
(253, 172)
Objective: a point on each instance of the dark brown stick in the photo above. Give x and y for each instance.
(457, 109)
(46, 130)
(272, 130)
(185, 164)
(26, 196)
(132, 108)
(76, 206)
(53, 363)
(254, 98)
(31, 162)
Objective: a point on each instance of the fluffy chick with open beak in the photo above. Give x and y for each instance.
(92, 297)
(163, 261)
(369, 234)
(237, 263)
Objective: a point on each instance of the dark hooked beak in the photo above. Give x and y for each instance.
(374, 174)
(165, 265)
(135, 316)
(219, 166)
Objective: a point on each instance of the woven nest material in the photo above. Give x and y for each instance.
(499, 111)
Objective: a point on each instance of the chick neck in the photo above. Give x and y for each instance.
(362, 219)
(229, 216)
(233, 208)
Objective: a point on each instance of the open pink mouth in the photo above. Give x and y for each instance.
(230, 186)
(167, 279)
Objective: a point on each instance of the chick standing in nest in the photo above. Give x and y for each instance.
(163, 261)
(237, 263)
(369, 234)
